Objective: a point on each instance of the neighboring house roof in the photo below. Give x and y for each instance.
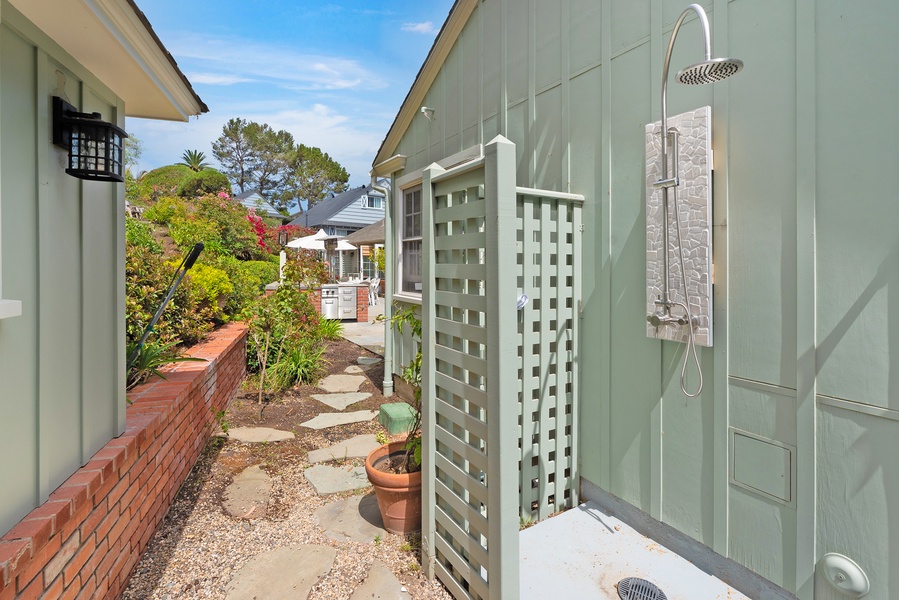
(114, 41)
(343, 210)
(452, 28)
(373, 234)
(253, 199)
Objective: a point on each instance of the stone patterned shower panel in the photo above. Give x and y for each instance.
(694, 203)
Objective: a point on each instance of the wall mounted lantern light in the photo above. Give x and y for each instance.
(96, 148)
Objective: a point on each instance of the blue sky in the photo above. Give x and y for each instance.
(332, 74)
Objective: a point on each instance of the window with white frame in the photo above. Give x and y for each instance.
(372, 201)
(410, 234)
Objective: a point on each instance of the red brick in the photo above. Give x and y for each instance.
(35, 566)
(13, 557)
(31, 590)
(78, 560)
(62, 556)
(75, 522)
(88, 587)
(38, 530)
(53, 591)
(72, 590)
(77, 496)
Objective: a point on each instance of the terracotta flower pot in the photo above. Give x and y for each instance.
(399, 495)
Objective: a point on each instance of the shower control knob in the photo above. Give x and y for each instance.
(654, 320)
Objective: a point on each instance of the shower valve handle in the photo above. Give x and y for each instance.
(667, 183)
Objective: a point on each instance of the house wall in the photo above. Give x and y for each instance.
(354, 213)
(62, 386)
(805, 250)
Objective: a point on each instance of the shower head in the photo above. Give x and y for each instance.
(709, 71)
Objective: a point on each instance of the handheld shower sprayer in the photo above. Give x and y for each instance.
(708, 70)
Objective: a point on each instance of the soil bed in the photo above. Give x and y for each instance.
(199, 547)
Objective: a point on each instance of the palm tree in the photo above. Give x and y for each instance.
(194, 160)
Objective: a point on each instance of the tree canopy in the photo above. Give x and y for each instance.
(255, 156)
(194, 160)
(316, 175)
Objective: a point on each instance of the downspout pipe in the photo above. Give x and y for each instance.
(388, 285)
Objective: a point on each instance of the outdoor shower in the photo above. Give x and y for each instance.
(660, 317)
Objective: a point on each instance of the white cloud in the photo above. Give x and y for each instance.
(222, 61)
(427, 27)
(216, 79)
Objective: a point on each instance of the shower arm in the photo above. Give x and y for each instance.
(666, 182)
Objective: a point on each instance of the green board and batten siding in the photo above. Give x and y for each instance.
(805, 250)
(62, 359)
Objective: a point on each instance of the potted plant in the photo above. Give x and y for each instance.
(394, 469)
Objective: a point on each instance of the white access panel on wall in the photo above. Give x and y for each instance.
(693, 209)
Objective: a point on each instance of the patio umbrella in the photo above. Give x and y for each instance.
(310, 242)
(344, 245)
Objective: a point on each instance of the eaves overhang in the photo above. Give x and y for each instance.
(114, 41)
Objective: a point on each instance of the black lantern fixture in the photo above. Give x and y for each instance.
(96, 148)
(283, 238)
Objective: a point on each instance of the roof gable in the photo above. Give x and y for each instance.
(446, 39)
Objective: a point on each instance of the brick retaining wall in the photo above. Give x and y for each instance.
(85, 540)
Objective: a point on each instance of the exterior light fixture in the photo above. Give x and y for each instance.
(96, 148)
(283, 238)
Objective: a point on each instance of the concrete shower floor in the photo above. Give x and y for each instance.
(585, 552)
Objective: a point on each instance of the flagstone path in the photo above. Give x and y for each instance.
(292, 572)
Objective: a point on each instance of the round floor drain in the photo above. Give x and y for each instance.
(634, 588)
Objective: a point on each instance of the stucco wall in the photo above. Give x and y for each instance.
(805, 248)
(62, 255)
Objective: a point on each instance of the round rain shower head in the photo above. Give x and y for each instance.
(710, 71)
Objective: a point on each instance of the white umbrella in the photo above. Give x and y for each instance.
(344, 245)
(310, 242)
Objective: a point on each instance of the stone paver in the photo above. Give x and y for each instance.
(380, 584)
(341, 383)
(333, 419)
(248, 495)
(259, 434)
(341, 400)
(332, 480)
(355, 518)
(355, 447)
(354, 369)
(368, 360)
(282, 573)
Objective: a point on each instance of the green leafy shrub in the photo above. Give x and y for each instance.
(247, 279)
(187, 231)
(213, 285)
(283, 327)
(147, 278)
(301, 362)
(165, 209)
(207, 181)
(330, 329)
(140, 233)
(163, 181)
(150, 358)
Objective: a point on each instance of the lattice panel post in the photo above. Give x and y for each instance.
(502, 361)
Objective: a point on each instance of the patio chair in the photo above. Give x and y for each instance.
(373, 291)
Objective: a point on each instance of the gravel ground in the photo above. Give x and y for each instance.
(199, 547)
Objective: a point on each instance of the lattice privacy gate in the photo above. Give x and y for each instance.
(499, 373)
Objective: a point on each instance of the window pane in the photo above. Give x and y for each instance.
(412, 266)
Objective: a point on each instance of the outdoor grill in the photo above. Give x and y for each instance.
(330, 301)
